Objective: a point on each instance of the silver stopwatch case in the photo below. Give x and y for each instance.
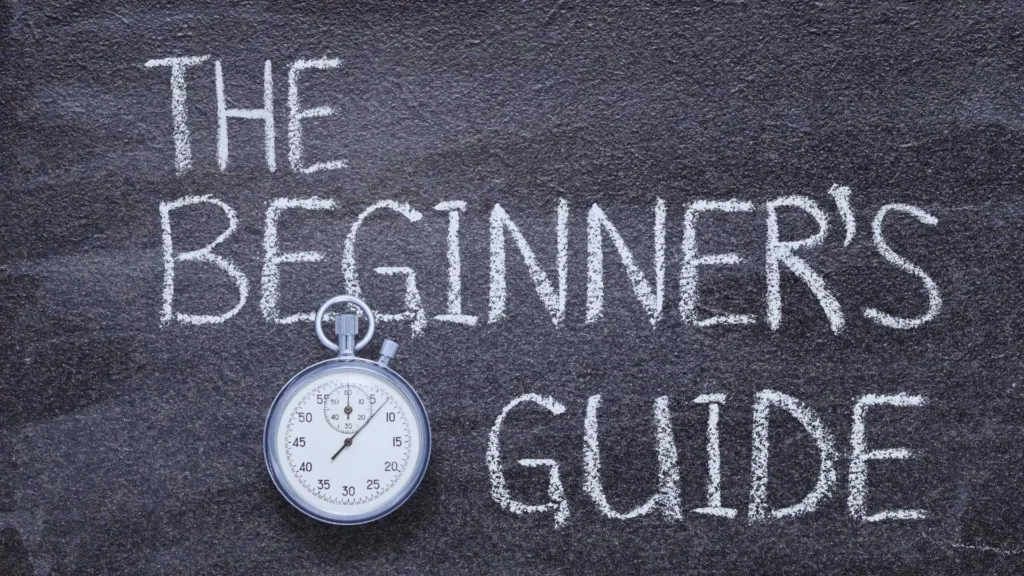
(346, 363)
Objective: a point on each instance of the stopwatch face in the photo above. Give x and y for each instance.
(347, 441)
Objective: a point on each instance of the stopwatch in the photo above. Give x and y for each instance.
(347, 440)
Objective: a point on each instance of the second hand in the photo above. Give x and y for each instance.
(348, 441)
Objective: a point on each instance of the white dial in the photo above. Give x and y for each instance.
(348, 443)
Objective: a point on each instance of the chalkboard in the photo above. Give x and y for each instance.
(744, 276)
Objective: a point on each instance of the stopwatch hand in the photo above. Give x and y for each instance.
(348, 441)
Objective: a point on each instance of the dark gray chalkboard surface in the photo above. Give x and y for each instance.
(132, 402)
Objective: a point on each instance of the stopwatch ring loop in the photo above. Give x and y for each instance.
(371, 324)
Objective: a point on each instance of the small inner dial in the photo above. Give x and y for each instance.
(348, 407)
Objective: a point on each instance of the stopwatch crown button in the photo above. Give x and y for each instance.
(346, 324)
(388, 349)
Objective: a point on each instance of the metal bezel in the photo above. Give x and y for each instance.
(275, 415)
